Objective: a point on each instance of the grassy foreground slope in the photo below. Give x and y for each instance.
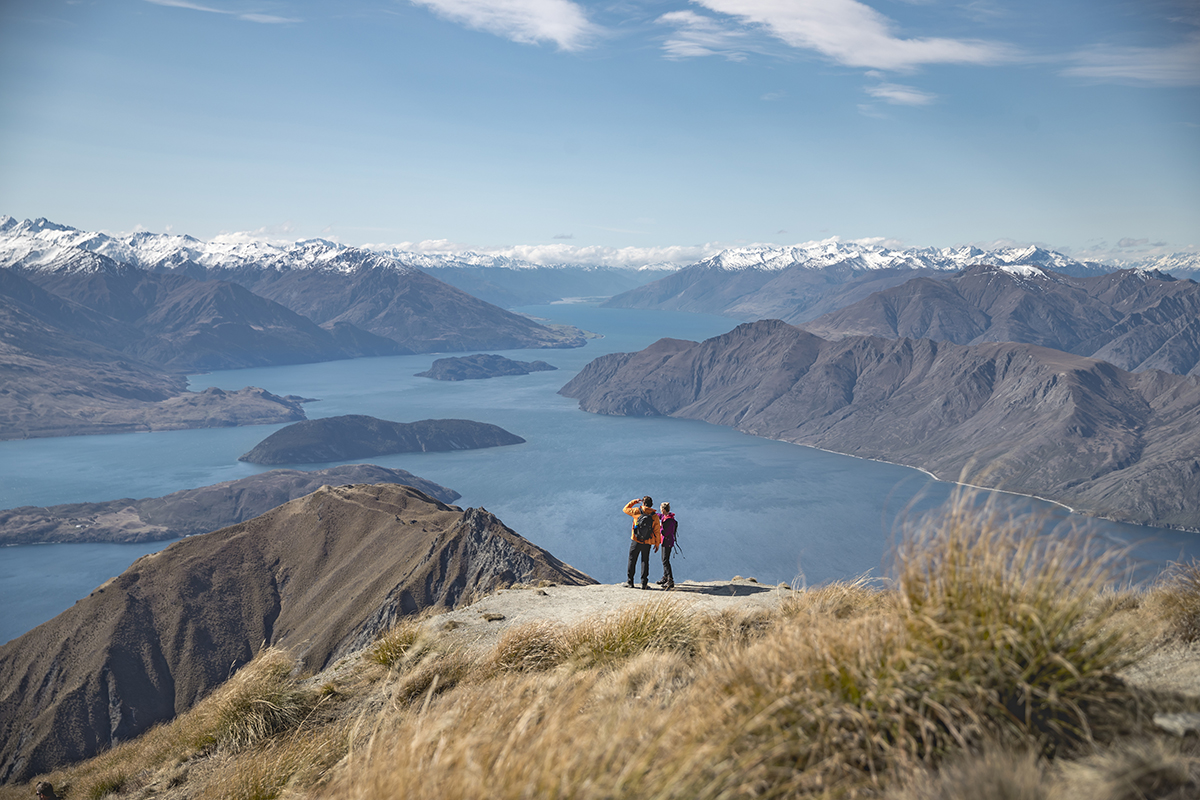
(994, 664)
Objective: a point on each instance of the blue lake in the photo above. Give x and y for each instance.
(746, 506)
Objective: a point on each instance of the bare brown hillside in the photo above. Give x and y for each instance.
(1004, 415)
(322, 575)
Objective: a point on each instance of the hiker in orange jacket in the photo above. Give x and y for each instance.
(638, 508)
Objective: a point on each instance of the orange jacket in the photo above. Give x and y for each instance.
(634, 509)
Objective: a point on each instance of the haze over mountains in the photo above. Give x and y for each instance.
(797, 284)
(331, 285)
(57, 379)
(95, 344)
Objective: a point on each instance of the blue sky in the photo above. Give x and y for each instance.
(584, 127)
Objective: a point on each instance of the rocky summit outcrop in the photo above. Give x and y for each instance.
(1010, 416)
(480, 366)
(191, 511)
(323, 574)
(350, 436)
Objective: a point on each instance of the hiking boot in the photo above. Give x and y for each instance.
(629, 584)
(670, 585)
(645, 584)
(661, 581)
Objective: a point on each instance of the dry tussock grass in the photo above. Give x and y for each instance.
(990, 637)
(296, 762)
(1178, 599)
(656, 625)
(261, 700)
(405, 640)
(532, 647)
(985, 669)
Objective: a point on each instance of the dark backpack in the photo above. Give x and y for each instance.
(643, 529)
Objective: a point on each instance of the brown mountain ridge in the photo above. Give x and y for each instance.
(1134, 319)
(1009, 416)
(323, 574)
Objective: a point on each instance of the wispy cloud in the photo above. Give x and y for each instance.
(1176, 65)
(524, 21)
(248, 16)
(696, 36)
(855, 34)
(900, 95)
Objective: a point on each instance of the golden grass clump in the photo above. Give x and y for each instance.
(519, 735)
(1001, 625)
(532, 647)
(839, 599)
(1148, 768)
(300, 760)
(435, 672)
(1179, 595)
(994, 774)
(261, 700)
(660, 625)
(405, 640)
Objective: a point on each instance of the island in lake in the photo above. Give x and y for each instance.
(358, 436)
(479, 366)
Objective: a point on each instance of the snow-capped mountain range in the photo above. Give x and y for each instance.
(44, 245)
(849, 255)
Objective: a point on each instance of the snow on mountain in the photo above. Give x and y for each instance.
(858, 256)
(44, 245)
(1177, 264)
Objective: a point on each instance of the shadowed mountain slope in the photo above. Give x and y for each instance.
(801, 282)
(191, 511)
(406, 305)
(189, 325)
(1011, 416)
(56, 381)
(323, 574)
(1135, 320)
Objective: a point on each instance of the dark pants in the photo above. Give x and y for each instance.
(637, 548)
(668, 576)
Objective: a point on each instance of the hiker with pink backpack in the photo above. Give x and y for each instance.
(669, 527)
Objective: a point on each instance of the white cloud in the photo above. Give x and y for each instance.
(702, 36)
(855, 34)
(524, 21)
(248, 16)
(1178, 65)
(900, 95)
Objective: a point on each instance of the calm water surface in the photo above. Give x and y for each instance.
(746, 506)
